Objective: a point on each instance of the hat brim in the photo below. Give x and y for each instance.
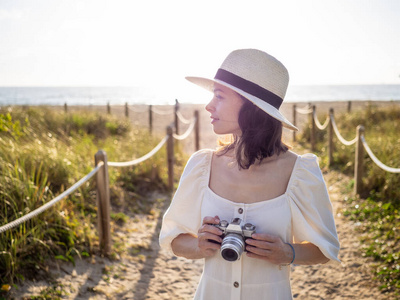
(208, 84)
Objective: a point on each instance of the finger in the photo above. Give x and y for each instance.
(269, 256)
(211, 220)
(205, 244)
(205, 236)
(209, 228)
(258, 251)
(210, 245)
(212, 229)
(265, 237)
(260, 244)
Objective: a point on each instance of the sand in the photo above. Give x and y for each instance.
(144, 271)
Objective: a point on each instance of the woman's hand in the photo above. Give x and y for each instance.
(207, 242)
(269, 247)
(208, 237)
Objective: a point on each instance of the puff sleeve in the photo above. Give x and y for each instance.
(184, 212)
(312, 217)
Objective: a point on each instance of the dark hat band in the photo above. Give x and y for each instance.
(249, 87)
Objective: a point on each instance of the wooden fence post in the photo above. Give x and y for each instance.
(108, 108)
(294, 121)
(197, 130)
(170, 158)
(330, 138)
(312, 138)
(151, 118)
(176, 117)
(103, 203)
(310, 120)
(65, 107)
(126, 110)
(349, 106)
(359, 161)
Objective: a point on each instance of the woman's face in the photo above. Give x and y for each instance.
(224, 109)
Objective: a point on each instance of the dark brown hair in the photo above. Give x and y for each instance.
(261, 136)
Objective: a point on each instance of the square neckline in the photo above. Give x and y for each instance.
(211, 155)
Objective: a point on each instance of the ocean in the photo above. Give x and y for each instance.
(137, 95)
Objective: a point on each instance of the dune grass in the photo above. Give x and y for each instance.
(42, 153)
(376, 211)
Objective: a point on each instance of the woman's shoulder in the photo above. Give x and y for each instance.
(306, 158)
(306, 168)
(308, 161)
(307, 179)
(201, 158)
(201, 155)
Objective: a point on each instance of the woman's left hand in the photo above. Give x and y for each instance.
(269, 247)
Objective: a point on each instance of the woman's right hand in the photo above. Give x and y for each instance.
(209, 237)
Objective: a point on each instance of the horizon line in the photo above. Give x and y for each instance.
(145, 86)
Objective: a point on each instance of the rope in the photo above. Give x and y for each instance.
(188, 131)
(160, 112)
(376, 160)
(78, 184)
(306, 110)
(182, 118)
(141, 159)
(92, 173)
(52, 202)
(341, 139)
(321, 127)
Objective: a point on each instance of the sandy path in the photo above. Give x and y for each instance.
(143, 271)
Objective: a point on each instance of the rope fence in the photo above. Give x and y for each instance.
(141, 159)
(305, 110)
(319, 125)
(161, 112)
(102, 180)
(49, 204)
(339, 136)
(151, 110)
(359, 140)
(101, 163)
(188, 131)
(376, 160)
(182, 118)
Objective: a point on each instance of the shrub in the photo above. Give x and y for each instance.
(48, 153)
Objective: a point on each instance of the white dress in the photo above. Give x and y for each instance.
(302, 213)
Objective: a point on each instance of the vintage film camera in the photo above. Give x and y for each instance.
(233, 237)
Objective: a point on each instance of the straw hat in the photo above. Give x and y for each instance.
(255, 75)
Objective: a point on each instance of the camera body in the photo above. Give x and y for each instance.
(233, 237)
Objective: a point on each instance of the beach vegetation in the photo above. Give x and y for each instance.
(43, 151)
(376, 210)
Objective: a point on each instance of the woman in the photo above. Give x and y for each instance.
(255, 179)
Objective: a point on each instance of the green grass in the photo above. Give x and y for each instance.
(42, 153)
(379, 222)
(376, 211)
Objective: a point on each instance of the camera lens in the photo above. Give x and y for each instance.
(232, 247)
(229, 254)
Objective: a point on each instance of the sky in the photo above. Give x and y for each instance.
(156, 43)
